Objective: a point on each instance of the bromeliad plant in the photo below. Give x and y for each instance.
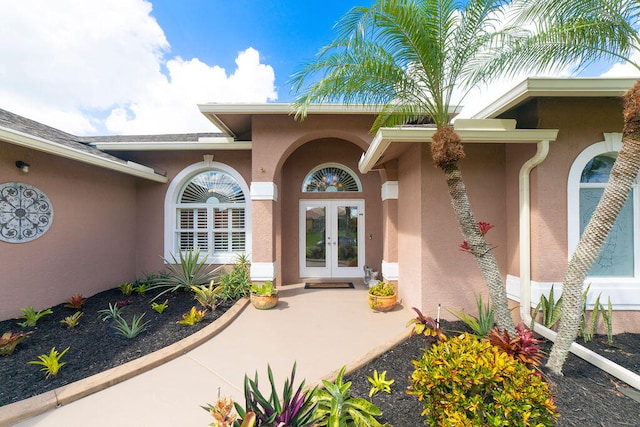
(50, 362)
(192, 317)
(9, 341)
(523, 347)
(464, 381)
(480, 324)
(31, 316)
(336, 406)
(379, 383)
(207, 296)
(72, 321)
(290, 409)
(126, 288)
(160, 307)
(75, 302)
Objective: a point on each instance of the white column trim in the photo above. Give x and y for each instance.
(263, 271)
(390, 271)
(389, 190)
(264, 191)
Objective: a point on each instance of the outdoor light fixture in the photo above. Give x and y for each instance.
(23, 166)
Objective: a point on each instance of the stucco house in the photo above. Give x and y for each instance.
(320, 199)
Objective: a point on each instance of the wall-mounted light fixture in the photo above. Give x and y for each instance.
(23, 166)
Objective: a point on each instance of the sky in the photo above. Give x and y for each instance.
(95, 67)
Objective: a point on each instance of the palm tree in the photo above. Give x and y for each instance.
(411, 56)
(571, 32)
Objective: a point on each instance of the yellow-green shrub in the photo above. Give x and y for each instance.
(466, 382)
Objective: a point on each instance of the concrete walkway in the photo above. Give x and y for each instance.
(321, 330)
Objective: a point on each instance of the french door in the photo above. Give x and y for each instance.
(331, 238)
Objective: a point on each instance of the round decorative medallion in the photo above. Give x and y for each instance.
(25, 212)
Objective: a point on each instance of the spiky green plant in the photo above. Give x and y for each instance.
(207, 296)
(379, 383)
(551, 310)
(50, 362)
(132, 330)
(31, 316)
(72, 321)
(190, 270)
(480, 324)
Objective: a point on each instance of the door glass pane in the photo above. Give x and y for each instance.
(347, 236)
(316, 226)
(616, 257)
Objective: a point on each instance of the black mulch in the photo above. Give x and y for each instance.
(94, 346)
(585, 395)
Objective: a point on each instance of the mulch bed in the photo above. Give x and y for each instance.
(94, 346)
(585, 395)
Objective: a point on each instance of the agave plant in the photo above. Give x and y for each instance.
(189, 271)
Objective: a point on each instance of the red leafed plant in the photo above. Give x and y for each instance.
(523, 346)
(427, 326)
(75, 302)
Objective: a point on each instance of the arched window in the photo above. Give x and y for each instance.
(331, 177)
(207, 208)
(616, 271)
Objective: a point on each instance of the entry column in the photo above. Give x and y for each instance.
(264, 196)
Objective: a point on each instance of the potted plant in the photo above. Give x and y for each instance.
(382, 297)
(263, 297)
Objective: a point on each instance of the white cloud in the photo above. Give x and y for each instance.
(94, 67)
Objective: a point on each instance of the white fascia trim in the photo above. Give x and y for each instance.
(568, 87)
(470, 131)
(623, 293)
(25, 140)
(390, 271)
(262, 271)
(264, 191)
(389, 190)
(227, 144)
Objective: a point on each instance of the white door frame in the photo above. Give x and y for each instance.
(331, 270)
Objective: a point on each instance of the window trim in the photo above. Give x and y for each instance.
(623, 291)
(171, 205)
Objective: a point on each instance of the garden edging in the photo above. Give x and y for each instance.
(36, 405)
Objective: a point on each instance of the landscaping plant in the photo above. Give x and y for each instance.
(264, 289)
(113, 312)
(290, 409)
(481, 324)
(75, 302)
(126, 288)
(236, 283)
(130, 331)
(427, 326)
(50, 362)
(468, 382)
(9, 341)
(160, 307)
(207, 296)
(523, 346)
(72, 321)
(192, 317)
(31, 316)
(183, 274)
(551, 310)
(336, 406)
(379, 383)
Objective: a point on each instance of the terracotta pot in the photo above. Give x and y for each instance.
(264, 302)
(379, 303)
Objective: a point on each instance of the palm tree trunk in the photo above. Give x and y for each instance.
(479, 247)
(623, 174)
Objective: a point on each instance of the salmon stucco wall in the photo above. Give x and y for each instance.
(90, 245)
(432, 268)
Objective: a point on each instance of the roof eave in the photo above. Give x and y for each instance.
(40, 144)
(555, 87)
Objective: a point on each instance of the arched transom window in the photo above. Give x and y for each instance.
(331, 177)
(207, 208)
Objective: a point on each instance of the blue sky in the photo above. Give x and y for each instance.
(92, 67)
